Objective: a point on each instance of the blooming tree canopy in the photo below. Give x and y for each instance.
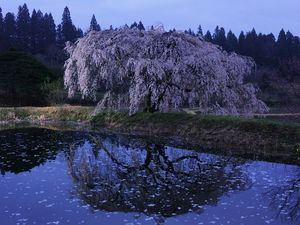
(135, 70)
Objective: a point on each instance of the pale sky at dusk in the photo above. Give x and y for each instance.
(265, 15)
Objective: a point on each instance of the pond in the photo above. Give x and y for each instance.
(77, 177)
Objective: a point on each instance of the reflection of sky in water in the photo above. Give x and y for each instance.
(55, 192)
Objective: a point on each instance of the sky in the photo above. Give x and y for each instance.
(264, 15)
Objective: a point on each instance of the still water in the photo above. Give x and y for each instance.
(56, 177)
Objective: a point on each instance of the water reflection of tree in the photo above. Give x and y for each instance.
(23, 149)
(152, 179)
(285, 200)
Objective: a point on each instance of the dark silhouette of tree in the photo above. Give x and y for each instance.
(59, 36)
(134, 25)
(3, 41)
(2, 37)
(242, 43)
(251, 43)
(292, 44)
(200, 31)
(280, 45)
(10, 29)
(1, 24)
(231, 42)
(94, 24)
(190, 32)
(208, 37)
(36, 30)
(79, 33)
(140, 26)
(32, 34)
(219, 36)
(265, 49)
(43, 32)
(69, 31)
(23, 28)
(50, 29)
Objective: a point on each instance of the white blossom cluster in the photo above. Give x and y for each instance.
(132, 70)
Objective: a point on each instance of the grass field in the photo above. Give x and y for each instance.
(61, 113)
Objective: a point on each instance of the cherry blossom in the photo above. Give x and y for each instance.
(132, 70)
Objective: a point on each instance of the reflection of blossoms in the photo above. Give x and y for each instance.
(285, 200)
(132, 70)
(152, 179)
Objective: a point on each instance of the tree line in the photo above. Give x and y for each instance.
(266, 49)
(37, 31)
(277, 59)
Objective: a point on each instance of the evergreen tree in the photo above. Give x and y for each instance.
(59, 36)
(241, 46)
(172, 30)
(69, 31)
(296, 43)
(50, 28)
(140, 26)
(79, 33)
(281, 44)
(290, 45)
(10, 29)
(265, 49)
(1, 24)
(200, 32)
(42, 31)
(251, 44)
(231, 42)
(3, 41)
(260, 51)
(94, 24)
(208, 37)
(219, 36)
(215, 34)
(190, 32)
(23, 28)
(134, 25)
(281, 37)
(36, 32)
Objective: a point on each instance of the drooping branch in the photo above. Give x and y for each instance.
(158, 71)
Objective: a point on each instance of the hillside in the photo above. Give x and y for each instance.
(23, 80)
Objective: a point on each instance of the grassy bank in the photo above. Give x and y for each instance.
(253, 137)
(259, 138)
(61, 113)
